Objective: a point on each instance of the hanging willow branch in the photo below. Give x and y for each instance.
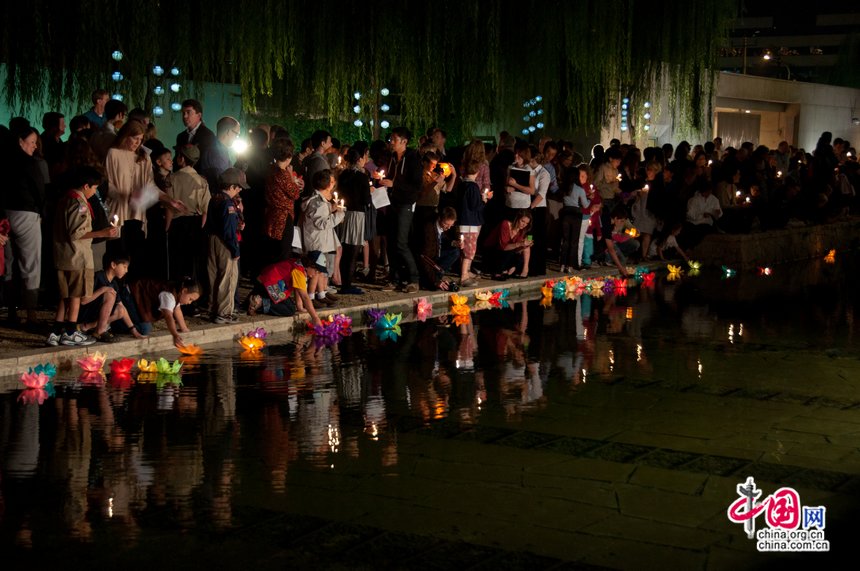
(450, 62)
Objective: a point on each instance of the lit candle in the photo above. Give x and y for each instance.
(748, 200)
(486, 192)
(335, 196)
(738, 193)
(342, 203)
(778, 174)
(339, 159)
(646, 188)
(848, 154)
(710, 162)
(115, 220)
(618, 177)
(462, 238)
(381, 173)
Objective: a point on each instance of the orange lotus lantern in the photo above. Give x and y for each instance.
(830, 258)
(190, 349)
(632, 232)
(251, 343)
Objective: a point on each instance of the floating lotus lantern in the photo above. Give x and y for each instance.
(620, 286)
(559, 289)
(500, 298)
(728, 272)
(830, 258)
(145, 366)
(423, 309)
(460, 310)
(694, 265)
(33, 380)
(388, 326)
(675, 272)
(484, 295)
(482, 305)
(190, 350)
(765, 271)
(251, 343)
(123, 366)
(165, 367)
(648, 279)
(254, 340)
(373, 315)
(93, 363)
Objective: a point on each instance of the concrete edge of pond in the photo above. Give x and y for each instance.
(64, 357)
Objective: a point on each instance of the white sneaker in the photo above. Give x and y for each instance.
(53, 340)
(77, 339)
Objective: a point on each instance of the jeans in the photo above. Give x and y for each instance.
(403, 267)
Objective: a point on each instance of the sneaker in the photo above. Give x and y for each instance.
(471, 282)
(410, 288)
(225, 320)
(76, 339)
(318, 304)
(53, 340)
(328, 301)
(351, 290)
(390, 286)
(331, 295)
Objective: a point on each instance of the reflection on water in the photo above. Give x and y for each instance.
(101, 459)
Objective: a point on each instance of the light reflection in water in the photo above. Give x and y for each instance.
(118, 451)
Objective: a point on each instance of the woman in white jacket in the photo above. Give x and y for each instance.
(320, 214)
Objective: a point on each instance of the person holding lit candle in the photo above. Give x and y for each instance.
(354, 186)
(703, 210)
(320, 217)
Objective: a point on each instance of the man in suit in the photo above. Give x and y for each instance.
(195, 133)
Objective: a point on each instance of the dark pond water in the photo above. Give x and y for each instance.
(530, 436)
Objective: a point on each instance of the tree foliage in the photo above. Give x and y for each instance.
(462, 61)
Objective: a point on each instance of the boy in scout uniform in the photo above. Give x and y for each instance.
(73, 255)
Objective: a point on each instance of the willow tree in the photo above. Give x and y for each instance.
(450, 61)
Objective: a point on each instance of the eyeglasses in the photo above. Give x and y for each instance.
(236, 132)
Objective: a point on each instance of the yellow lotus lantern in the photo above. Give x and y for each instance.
(250, 343)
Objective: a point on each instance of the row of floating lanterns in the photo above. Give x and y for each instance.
(38, 381)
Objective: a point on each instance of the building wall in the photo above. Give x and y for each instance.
(793, 111)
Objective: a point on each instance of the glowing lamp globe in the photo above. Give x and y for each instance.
(157, 111)
(175, 87)
(158, 90)
(385, 108)
(175, 106)
(157, 70)
(356, 109)
(384, 124)
(116, 76)
(384, 92)
(174, 71)
(116, 55)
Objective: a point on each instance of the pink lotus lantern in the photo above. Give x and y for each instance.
(424, 309)
(33, 396)
(93, 363)
(35, 380)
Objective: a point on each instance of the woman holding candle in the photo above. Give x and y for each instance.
(283, 187)
(643, 218)
(130, 176)
(354, 187)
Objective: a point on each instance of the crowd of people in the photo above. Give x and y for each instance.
(176, 227)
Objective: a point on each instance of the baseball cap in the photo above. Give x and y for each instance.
(233, 176)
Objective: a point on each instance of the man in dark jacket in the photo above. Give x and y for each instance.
(195, 133)
(404, 178)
